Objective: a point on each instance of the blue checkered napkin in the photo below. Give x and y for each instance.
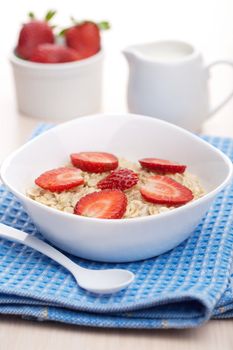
(179, 289)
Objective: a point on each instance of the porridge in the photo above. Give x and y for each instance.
(103, 186)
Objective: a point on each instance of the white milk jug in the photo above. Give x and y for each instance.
(169, 80)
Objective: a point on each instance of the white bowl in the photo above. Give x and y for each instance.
(133, 137)
(59, 91)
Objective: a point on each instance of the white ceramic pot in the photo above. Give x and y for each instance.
(59, 91)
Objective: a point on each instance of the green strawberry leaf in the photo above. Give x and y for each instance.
(104, 25)
(62, 32)
(49, 15)
(31, 15)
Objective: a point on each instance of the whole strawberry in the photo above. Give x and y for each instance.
(52, 53)
(85, 37)
(34, 33)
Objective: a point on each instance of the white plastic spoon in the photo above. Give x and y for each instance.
(96, 281)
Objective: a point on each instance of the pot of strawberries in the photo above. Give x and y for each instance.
(58, 77)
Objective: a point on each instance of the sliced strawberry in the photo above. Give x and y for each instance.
(107, 204)
(61, 179)
(94, 162)
(162, 165)
(121, 179)
(164, 190)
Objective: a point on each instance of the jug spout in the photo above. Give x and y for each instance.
(130, 54)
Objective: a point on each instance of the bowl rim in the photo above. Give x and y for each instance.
(20, 62)
(71, 216)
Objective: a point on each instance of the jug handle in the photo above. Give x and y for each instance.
(230, 95)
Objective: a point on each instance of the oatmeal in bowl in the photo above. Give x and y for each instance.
(101, 185)
(156, 208)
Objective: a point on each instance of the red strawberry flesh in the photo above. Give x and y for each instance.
(162, 165)
(121, 179)
(60, 179)
(106, 204)
(31, 35)
(163, 190)
(84, 38)
(52, 53)
(94, 162)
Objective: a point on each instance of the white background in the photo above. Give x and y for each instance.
(207, 24)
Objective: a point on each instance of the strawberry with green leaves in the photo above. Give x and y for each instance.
(33, 34)
(85, 37)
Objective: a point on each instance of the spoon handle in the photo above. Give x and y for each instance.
(15, 235)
